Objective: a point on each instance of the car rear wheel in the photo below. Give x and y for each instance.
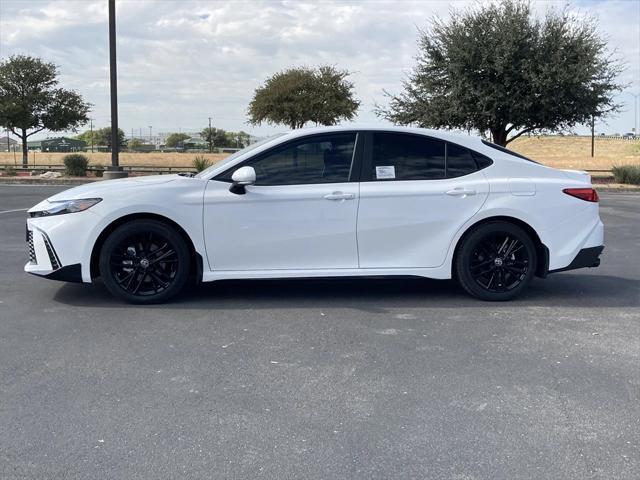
(496, 261)
(144, 261)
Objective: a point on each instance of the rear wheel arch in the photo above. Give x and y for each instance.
(542, 267)
(196, 265)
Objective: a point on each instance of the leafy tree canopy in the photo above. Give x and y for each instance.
(31, 101)
(134, 143)
(102, 137)
(175, 139)
(495, 67)
(296, 96)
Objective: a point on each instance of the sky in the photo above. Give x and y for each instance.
(180, 62)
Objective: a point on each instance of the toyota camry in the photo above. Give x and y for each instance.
(326, 202)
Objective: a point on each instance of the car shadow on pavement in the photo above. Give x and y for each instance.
(372, 294)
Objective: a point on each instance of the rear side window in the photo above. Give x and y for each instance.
(460, 161)
(397, 156)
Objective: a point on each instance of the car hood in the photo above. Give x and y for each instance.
(98, 189)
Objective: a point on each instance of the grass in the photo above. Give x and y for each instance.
(575, 152)
(555, 151)
(629, 174)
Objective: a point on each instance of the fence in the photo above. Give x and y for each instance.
(139, 169)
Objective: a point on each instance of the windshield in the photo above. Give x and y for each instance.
(235, 155)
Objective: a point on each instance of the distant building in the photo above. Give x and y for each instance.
(59, 144)
(13, 144)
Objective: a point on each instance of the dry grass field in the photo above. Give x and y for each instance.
(575, 152)
(555, 151)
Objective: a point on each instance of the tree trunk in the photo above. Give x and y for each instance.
(25, 150)
(499, 136)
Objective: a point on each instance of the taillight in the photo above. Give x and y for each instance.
(586, 194)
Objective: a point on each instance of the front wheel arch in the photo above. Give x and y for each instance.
(542, 267)
(196, 264)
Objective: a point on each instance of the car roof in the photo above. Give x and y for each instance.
(466, 140)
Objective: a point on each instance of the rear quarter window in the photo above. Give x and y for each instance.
(508, 152)
(460, 161)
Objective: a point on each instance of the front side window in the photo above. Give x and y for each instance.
(318, 159)
(397, 156)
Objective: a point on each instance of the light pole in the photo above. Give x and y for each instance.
(150, 136)
(115, 171)
(635, 113)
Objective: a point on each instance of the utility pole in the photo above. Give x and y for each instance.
(635, 113)
(91, 130)
(210, 137)
(115, 171)
(8, 149)
(150, 136)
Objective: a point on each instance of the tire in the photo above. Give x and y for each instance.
(144, 262)
(496, 261)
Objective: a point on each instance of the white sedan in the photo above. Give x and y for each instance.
(326, 202)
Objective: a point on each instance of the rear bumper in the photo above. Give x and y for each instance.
(586, 258)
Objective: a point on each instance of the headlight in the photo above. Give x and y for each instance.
(60, 207)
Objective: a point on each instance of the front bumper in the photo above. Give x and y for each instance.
(44, 260)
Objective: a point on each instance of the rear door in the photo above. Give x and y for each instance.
(415, 194)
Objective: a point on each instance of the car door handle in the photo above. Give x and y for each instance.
(461, 192)
(339, 196)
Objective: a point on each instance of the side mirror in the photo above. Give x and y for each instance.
(242, 177)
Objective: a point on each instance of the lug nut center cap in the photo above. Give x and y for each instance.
(144, 263)
(498, 262)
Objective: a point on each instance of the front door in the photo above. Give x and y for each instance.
(299, 215)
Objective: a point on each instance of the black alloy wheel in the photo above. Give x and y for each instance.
(496, 261)
(144, 261)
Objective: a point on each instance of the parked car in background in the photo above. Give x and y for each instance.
(326, 202)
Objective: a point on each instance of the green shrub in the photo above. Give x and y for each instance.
(201, 163)
(627, 174)
(10, 172)
(98, 170)
(76, 165)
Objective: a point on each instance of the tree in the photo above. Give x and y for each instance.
(30, 100)
(176, 139)
(87, 136)
(242, 139)
(134, 144)
(215, 137)
(299, 95)
(102, 136)
(497, 68)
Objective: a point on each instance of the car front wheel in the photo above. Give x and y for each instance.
(144, 261)
(496, 261)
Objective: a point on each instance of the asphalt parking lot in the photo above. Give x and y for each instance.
(320, 379)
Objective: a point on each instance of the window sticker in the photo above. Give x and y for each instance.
(385, 172)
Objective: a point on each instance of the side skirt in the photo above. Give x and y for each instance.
(437, 273)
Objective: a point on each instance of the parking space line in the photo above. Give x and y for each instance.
(16, 210)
